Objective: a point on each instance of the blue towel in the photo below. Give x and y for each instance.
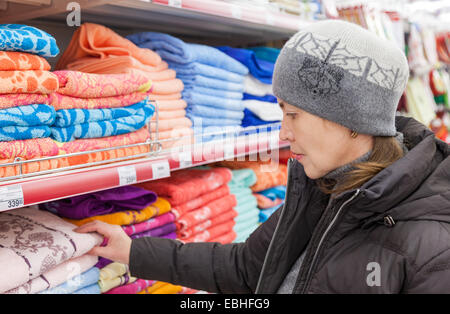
(212, 92)
(13, 133)
(264, 214)
(261, 69)
(266, 53)
(92, 289)
(104, 128)
(68, 117)
(211, 122)
(266, 98)
(212, 112)
(15, 37)
(275, 192)
(196, 68)
(204, 81)
(172, 49)
(86, 279)
(31, 115)
(193, 98)
(250, 119)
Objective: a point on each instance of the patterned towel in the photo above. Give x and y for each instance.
(204, 225)
(20, 61)
(31, 115)
(86, 279)
(212, 232)
(149, 224)
(33, 242)
(88, 85)
(15, 37)
(13, 133)
(59, 101)
(104, 128)
(28, 149)
(16, 100)
(68, 117)
(28, 82)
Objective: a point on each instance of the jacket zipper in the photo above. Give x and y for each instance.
(274, 234)
(308, 276)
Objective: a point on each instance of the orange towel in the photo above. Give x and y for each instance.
(29, 82)
(170, 124)
(171, 104)
(20, 61)
(174, 96)
(59, 101)
(170, 114)
(93, 40)
(15, 100)
(28, 149)
(167, 87)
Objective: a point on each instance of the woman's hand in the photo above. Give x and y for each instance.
(119, 243)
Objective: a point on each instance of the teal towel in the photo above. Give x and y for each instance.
(248, 215)
(243, 177)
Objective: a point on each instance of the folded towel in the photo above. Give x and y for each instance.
(265, 202)
(102, 202)
(212, 92)
(267, 98)
(196, 68)
(225, 238)
(132, 288)
(172, 49)
(31, 82)
(20, 61)
(105, 128)
(193, 98)
(170, 114)
(170, 124)
(83, 145)
(210, 210)
(93, 40)
(16, 100)
(129, 217)
(277, 192)
(261, 69)
(150, 224)
(15, 37)
(247, 206)
(168, 105)
(57, 275)
(204, 81)
(213, 124)
(106, 285)
(31, 115)
(186, 185)
(68, 117)
(28, 149)
(164, 288)
(173, 96)
(78, 282)
(89, 85)
(248, 215)
(13, 133)
(207, 223)
(249, 223)
(251, 119)
(201, 200)
(92, 289)
(212, 112)
(266, 53)
(59, 101)
(33, 241)
(156, 232)
(255, 87)
(212, 232)
(266, 213)
(167, 87)
(266, 111)
(242, 178)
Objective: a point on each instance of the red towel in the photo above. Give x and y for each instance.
(212, 233)
(225, 238)
(214, 221)
(186, 185)
(213, 209)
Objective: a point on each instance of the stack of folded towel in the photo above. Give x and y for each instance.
(201, 202)
(140, 213)
(25, 82)
(98, 49)
(213, 81)
(260, 104)
(40, 253)
(269, 201)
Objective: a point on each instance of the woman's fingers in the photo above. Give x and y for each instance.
(96, 226)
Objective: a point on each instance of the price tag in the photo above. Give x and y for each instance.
(185, 159)
(175, 3)
(11, 197)
(127, 175)
(228, 151)
(161, 170)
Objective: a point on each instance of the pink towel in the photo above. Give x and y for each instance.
(32, 242)
(28, 149)
(15, 100)
(149, 224)
(59, 101)
(132, 288)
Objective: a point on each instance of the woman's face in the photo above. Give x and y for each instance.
(318, 144)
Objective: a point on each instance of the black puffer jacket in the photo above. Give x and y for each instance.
(392, 235)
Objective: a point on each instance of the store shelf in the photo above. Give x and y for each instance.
(225, 22)
(43, 188)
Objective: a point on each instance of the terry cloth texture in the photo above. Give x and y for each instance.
(343, 73)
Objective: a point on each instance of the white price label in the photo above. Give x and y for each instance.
(161, 170)
(175, 3)
(11, 197)
(185, 159)
(228, 151)
(127, 175)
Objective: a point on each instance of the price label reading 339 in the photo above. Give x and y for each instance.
(11, 197)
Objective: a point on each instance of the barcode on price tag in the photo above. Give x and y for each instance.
(175, 3)
(127, 175)
(161, 170)
(11, 197)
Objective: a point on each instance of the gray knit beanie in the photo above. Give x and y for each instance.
(343, 73)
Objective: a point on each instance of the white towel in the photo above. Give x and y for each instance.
(267, 111)
(255, 87)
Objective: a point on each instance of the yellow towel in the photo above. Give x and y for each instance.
(162, 288)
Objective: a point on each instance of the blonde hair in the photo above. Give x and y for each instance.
(386, 150)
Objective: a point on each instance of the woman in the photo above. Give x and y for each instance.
(368, 197)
